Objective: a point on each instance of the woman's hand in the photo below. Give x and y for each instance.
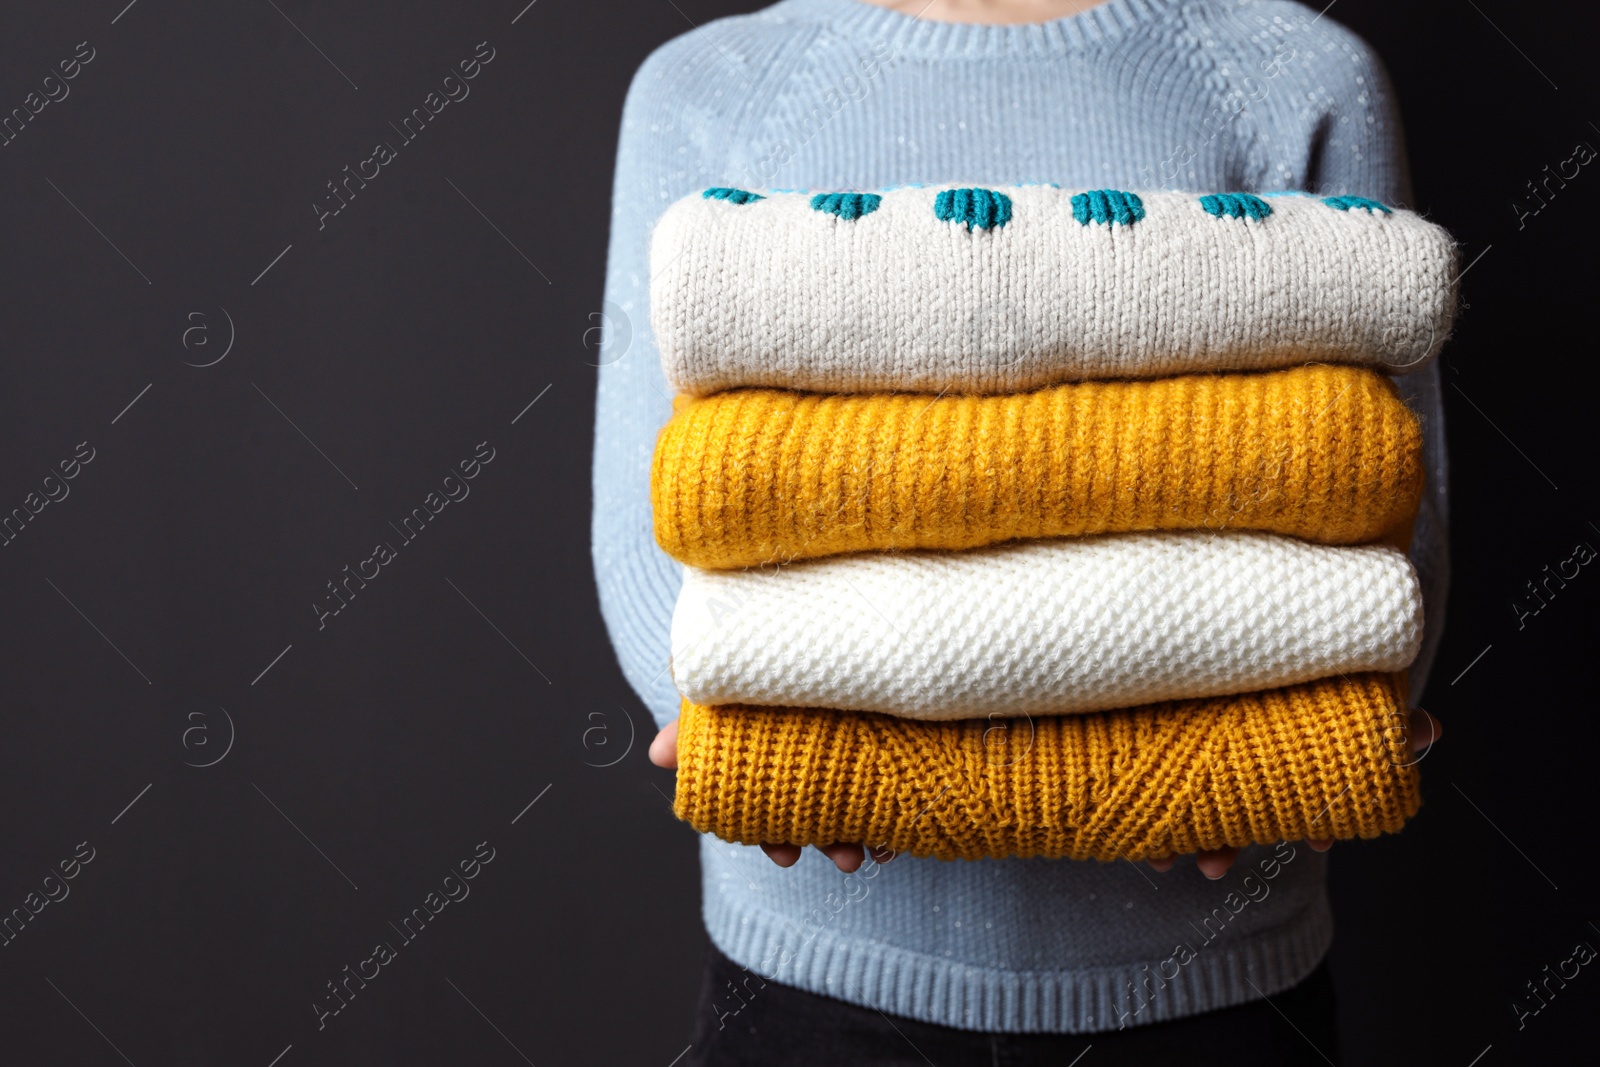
(847, 857)
(1215, 862)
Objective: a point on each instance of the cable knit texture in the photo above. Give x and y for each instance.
(761, 476)
(1029, 290)
(832, 95)
(1322, 759)
(1045, 627)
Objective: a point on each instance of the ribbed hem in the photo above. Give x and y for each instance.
(917, 986)
(920, 36)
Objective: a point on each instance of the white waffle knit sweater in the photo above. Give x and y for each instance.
(1044, 627)
(1006, 288)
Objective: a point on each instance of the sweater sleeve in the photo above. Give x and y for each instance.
(1362, 153)
(1334, 88)
(1308, 102)
(1358, 144)
(667, 148)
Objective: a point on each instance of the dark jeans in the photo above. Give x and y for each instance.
(779, 1024)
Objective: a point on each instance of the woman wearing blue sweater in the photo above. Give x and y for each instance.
(819, 958)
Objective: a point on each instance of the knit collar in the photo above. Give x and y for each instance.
(914, 36)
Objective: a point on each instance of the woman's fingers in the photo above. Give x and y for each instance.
(846, 857)
(1425, 730)
(782, 855)
(1214, 863)
(664, 747)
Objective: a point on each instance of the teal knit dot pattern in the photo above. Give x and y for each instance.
(848, 206)
(988, 209)
(1347, 203)
(1107, 206)
(977, 209)
(732, 196)
(1236, 206)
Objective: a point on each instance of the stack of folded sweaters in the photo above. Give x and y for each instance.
(1033, 522)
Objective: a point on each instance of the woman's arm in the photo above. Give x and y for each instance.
(671, 144)
(1359, 149)
(679, 128)
(664, 151)
(1314, 109)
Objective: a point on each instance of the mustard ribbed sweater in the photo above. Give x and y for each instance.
(755, 476)
(1321, 759)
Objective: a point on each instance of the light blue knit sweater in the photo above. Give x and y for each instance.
(1203, 95)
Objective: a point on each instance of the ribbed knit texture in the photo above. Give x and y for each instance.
(1045, 627)
(761, 476)
(1321, 759)
(1016, 287)
(828, 95)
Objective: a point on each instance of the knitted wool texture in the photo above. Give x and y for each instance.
(830, 94)
(918, 294)
(1045, 627)
(1329, 454)
(1321, 759)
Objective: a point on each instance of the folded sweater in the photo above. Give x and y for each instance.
(1326, 453)
(1321, 759)
(996, 290)
(1045, 627)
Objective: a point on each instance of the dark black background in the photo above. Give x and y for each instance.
(474, 674)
